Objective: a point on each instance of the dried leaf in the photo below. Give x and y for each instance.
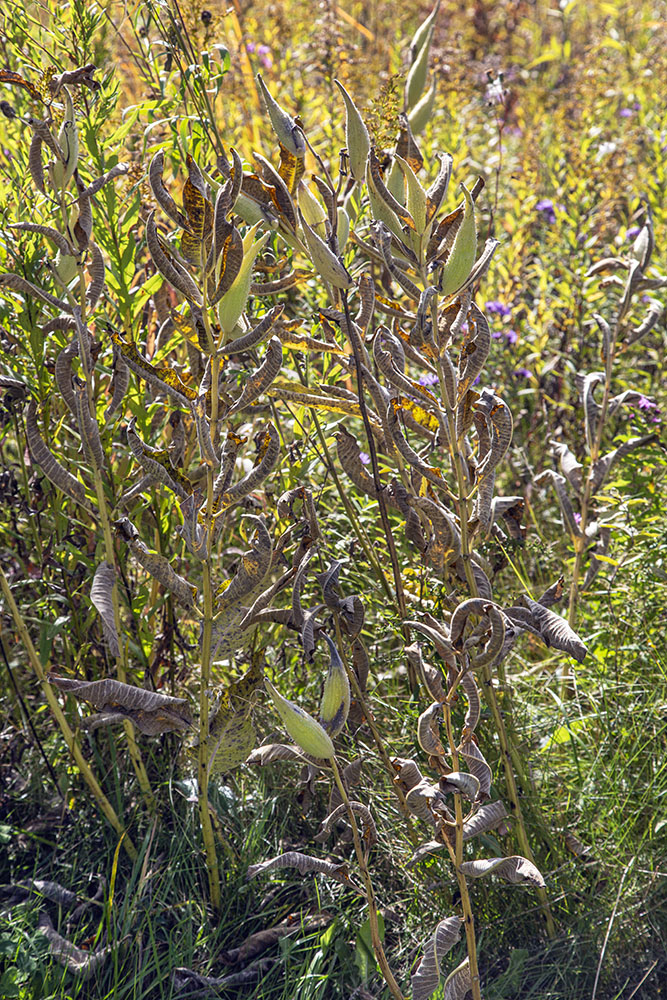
(555, 630)
(158, 566)
(81, 963)
(162, 196)
(260, 380)
(515, 869)
(426, 977)
(51, 468)
(101, 597)
(488, 817)
(151, 713)
(304, 863)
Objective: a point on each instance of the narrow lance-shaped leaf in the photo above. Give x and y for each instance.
(228, 262)
(159, 377)
(101, 597)
(369, 829)
(428, 734)
(304, 863)
(51, 468)
(490, 816)
(177, 276)
(162, 196)
(260, 380)
(19, 284)
(121, 381)
(458, 983)
(78, 961)
(269, 453)
(426, 977)
(476, 763)
(157, 465)
(158, 566)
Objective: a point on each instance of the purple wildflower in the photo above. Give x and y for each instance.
(546, 207)
(636, 106)
(632, 232)
(511, 336)
(498, 308)
(428, 378)
(497, 334)
(577, 518)
(264, 53)
(646, 404)
(364, 458)
(523, 373)
(625, 113)
(250, 47)
(476, 380)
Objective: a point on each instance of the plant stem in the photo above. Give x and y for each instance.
(456, 854)
(382, 750)
(368, 886)
(72, 745)
(205, 665)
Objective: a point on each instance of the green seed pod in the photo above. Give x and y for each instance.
(324, 259)
(343, 228)
(234, 301)
(357, 139)
(303, 729)
(421, 114)
(462, 257)
(416, 81)
(416, 195)
(68, 140)
(313, 210)
(335, 704)
(421, 35)
(288, 132)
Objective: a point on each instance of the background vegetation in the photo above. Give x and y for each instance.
(562, 111)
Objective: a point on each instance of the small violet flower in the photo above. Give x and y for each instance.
(577, 518)
(428, 378)
(626, 113)
(646, 404)
(250, 47)
(546, 207)
(497, 308)
(364, 458)
(523, 373)
(511, 336)
(632, 232)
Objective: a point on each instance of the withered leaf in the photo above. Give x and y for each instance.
(426, 977)
(101, 597)
(152, 713)
(515, 869)
(304, 863)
